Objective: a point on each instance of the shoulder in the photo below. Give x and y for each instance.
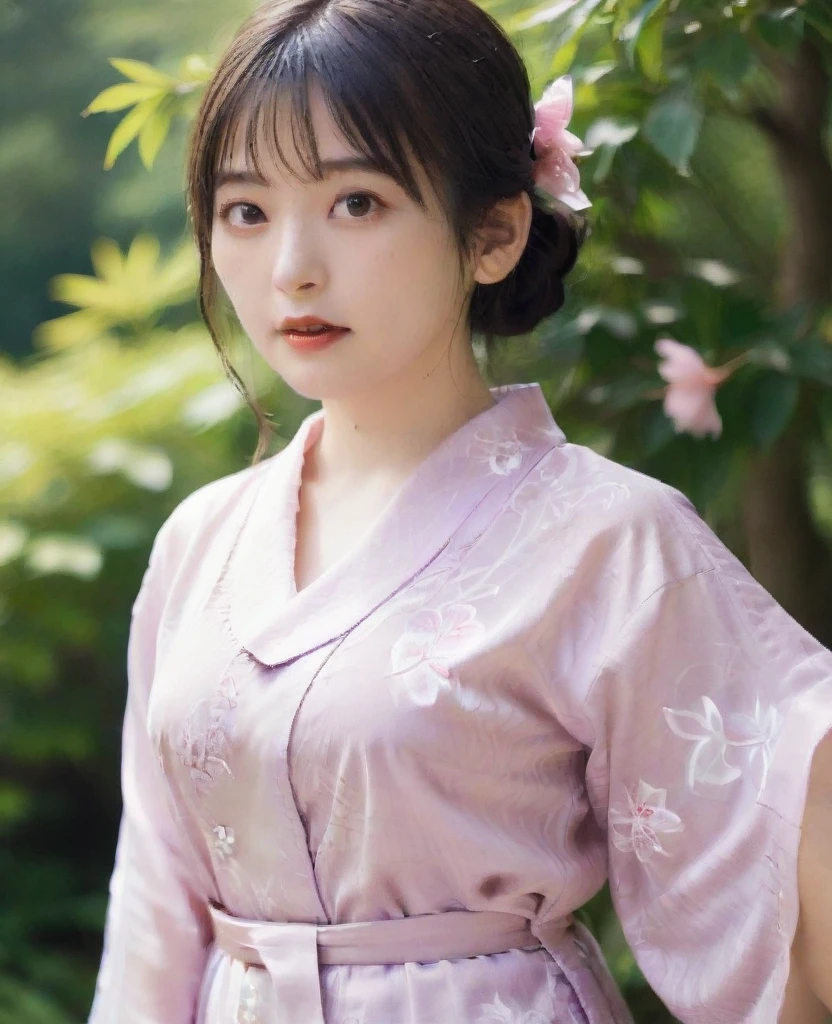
(201, 514)
(631, 525)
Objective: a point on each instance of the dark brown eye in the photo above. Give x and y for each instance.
(248, 209)
(359, 204)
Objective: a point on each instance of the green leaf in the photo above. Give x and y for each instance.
(650, 49)
(128, 128)
(773, 401)
(818, 14)
(79, 290)
(567, 20)
(727, 58)
(153, 134)
(781, 29)
(142, 256)
(66, 331)
(117, 97)
(656, 429)
(106, 258)
(564, 56)
(672, 127)
(141, 72)
(712, 462)
(812, 359)
(195, 68)
(541, 14)
(644, 35)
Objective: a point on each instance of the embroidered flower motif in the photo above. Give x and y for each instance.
(503, 454)
(223, 841)
(712, 736)
(636, 830)
(497, 1012)
(423, 654)
(205, 736)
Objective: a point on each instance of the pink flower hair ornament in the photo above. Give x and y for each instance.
(554, 147)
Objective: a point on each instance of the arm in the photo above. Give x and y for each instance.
(158, 928)
(809, 990)
(706, 716)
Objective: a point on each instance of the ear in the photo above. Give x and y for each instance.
(502, 238)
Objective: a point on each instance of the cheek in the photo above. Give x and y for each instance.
(236, 276)
(414, 266)
(223, 265)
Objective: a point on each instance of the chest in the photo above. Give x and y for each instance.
(328, 528)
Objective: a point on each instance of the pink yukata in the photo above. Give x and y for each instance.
(381, 799)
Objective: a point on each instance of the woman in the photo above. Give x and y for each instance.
(404, 695)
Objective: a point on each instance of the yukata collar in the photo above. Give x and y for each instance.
(485, 458)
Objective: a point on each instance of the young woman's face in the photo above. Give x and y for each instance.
(352, 249)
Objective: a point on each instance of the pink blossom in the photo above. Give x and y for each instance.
(424, 654)
(554, 169)
(689, 397)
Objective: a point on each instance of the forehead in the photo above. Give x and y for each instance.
(285, 136)
(279, 143)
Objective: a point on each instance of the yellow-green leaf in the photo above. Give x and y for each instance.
(66, 331)
(153, 134)
(650, 45)
(117, 97)
(178, 277)
(142, 256)
(563, 57)
(141, 72)
(127, 129)
(79, 290)
(106, 258)
(195, 68)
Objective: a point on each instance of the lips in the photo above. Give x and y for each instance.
(318, 329)
(308, 324)
(307, 339)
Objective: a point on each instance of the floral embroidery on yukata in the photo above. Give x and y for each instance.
(223, 841)
(713, 736)
(497, 1012)
(203, 741)
(422, 654)
(503, 454)
(553, 496)
(637, 829)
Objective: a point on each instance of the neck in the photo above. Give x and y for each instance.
(380, 436)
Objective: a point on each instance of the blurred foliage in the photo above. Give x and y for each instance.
(122, 409)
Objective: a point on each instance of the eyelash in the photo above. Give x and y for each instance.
(225, 211)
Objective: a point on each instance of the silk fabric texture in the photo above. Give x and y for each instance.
(537, 670)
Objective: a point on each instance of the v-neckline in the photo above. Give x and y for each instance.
(312, 436)
(277, 623)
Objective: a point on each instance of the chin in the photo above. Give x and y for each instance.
(319, 384)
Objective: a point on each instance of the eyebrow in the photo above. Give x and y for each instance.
(234, 176)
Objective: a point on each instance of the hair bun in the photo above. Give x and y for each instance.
(534, 289)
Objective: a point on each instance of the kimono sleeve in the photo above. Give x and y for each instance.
(157, 927)
(706, 715)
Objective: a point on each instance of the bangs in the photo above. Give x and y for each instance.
(370, 104)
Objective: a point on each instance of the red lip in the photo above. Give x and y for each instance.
(293, 323)
(305, 342)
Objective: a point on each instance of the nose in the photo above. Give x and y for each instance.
(298, 264)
